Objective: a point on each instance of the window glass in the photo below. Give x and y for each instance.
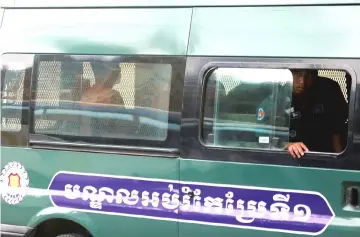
(13, 72)
(274, 108)
(242, 108)
(102, 97)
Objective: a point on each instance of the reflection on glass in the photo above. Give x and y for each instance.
(246, 108)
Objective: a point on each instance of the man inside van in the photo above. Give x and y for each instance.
(317, 116)
(102, 94)
(107, 74)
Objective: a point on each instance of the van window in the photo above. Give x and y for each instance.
(11, 95)
(258, 108)
(231, 98)
(13, 70)
(101, 98)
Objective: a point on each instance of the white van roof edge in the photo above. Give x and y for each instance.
(164, 3)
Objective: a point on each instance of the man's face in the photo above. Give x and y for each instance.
(107, 74)
(299, 77)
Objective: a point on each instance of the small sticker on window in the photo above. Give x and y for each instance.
(264, 139)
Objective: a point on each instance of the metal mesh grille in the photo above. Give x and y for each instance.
(140, 86)
(339, 77)
(47, 93)
(12, 93)
(229, 82)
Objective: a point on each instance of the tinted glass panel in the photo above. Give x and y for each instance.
(242, 108)
(104, 97)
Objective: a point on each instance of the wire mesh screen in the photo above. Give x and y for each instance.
(336, 75)
(72, 99)
(12, 88)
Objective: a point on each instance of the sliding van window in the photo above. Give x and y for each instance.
(270, 109)
(108, 100)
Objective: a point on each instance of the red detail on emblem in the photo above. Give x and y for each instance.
(261, 114)
(14, 181)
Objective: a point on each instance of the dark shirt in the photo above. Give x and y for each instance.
(318, 116)
(320, 113)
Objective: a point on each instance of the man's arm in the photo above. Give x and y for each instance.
(337, 143)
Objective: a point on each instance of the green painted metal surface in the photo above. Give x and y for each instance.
(42, 165)
(303, 31)
(96, 31)
(327, 182)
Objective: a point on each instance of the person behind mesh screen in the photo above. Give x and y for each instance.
(102, 94)
(107, 74)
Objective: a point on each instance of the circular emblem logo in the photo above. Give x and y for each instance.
(260, 114)
(14, 182)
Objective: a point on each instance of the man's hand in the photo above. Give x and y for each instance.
(296, 149)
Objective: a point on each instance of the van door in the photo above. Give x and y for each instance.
(236, 177)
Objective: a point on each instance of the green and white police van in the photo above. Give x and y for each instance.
(139, 118)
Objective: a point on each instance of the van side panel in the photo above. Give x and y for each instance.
(97, 31)
(135, 32)
(301, 31)
(1, 15)
(2, 11)
(42, 165)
